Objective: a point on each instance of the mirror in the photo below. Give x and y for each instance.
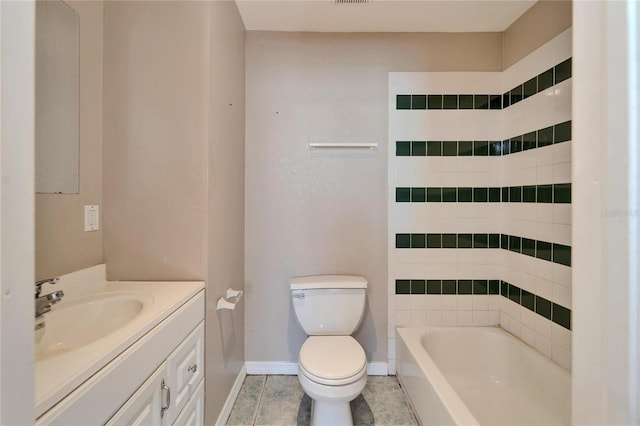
(57, 92)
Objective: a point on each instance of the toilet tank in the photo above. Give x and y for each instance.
(329, 304)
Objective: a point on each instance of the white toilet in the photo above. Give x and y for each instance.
(332, 366)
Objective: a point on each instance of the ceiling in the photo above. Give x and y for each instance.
(381, 15)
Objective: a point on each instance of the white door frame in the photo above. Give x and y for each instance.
(17, 94)
(606, 213)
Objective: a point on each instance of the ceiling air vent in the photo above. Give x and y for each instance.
(351, 1)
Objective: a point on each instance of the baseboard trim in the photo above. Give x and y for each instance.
(378, 369)
(291, 368)
(231, 398)
(276, 367)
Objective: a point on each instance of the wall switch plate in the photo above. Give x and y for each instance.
(91, 218)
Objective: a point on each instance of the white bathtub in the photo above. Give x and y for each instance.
(480, 376)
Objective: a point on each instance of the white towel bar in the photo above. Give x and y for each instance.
(365, 145)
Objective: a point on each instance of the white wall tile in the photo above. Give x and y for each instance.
(543, 344)
(449, 302)
(403, 318)
(561, 152)
(408, 255)
(418, 318)
(480, 302)
(544, 288)
(528, 335)
(481, 271)
(562, 173)
(545, 174)
(562, 100)
(449, 164)
(562, 356)
(561, 274)
(433, 302)
(464, 302)
(465, 318)
(480, 318)
(544, 213)
(494, 317)
(392, 367)
(418, 302)
(546, 222)
(450, 210)
(547, 155)
(561, 234)
(545, 231)
(391, 348)
(493, 302)
(560, 336)
(543, 327)
(434, 318)
(431, 212)
(515, 328)
(464, 271)
(419, 172)
(403, 302)
(449, 318)
(465, 171)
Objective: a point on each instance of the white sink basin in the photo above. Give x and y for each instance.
(94, 323)
(75, 323)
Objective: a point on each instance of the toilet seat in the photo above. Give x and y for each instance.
(332, 360)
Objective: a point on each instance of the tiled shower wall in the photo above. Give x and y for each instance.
(480, 200)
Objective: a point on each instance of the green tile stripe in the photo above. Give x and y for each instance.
(540, 138)
(447, 287)
(541, 306)
(448, 102)
(537, 84)
(552, 252)
(558, 193)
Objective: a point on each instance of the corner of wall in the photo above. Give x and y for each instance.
(538, 25)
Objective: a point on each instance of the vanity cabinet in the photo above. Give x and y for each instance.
(146, 406)
(193, 412)
(156, 381)
(185, 371)
(163, 397)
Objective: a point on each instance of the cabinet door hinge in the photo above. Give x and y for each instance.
(166, 398)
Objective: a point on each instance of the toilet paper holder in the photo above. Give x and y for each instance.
(230, 299)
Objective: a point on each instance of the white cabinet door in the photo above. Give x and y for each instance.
(185, 370)
(193, 412)
(145, 406)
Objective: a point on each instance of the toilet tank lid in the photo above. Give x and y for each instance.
(327, 281)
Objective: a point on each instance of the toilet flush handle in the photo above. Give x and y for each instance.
(299, 295)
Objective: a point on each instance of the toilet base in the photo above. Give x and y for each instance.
(330, 404)
(330, 413)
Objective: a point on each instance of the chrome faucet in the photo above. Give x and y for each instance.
(44, 303)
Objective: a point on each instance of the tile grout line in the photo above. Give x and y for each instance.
(257, 410)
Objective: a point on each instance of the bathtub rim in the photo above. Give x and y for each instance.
(453, 403)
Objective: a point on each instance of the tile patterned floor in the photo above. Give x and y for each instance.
(280, 400)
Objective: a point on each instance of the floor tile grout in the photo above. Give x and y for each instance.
(257, 410)
(280, 400)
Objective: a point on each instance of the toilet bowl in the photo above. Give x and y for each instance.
(332, 371)
(332, 366)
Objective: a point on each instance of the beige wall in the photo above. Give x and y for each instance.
(156, 82)
(314, 212)
(542, 22)
(62, 246)
(174, 160)
(225, 254)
